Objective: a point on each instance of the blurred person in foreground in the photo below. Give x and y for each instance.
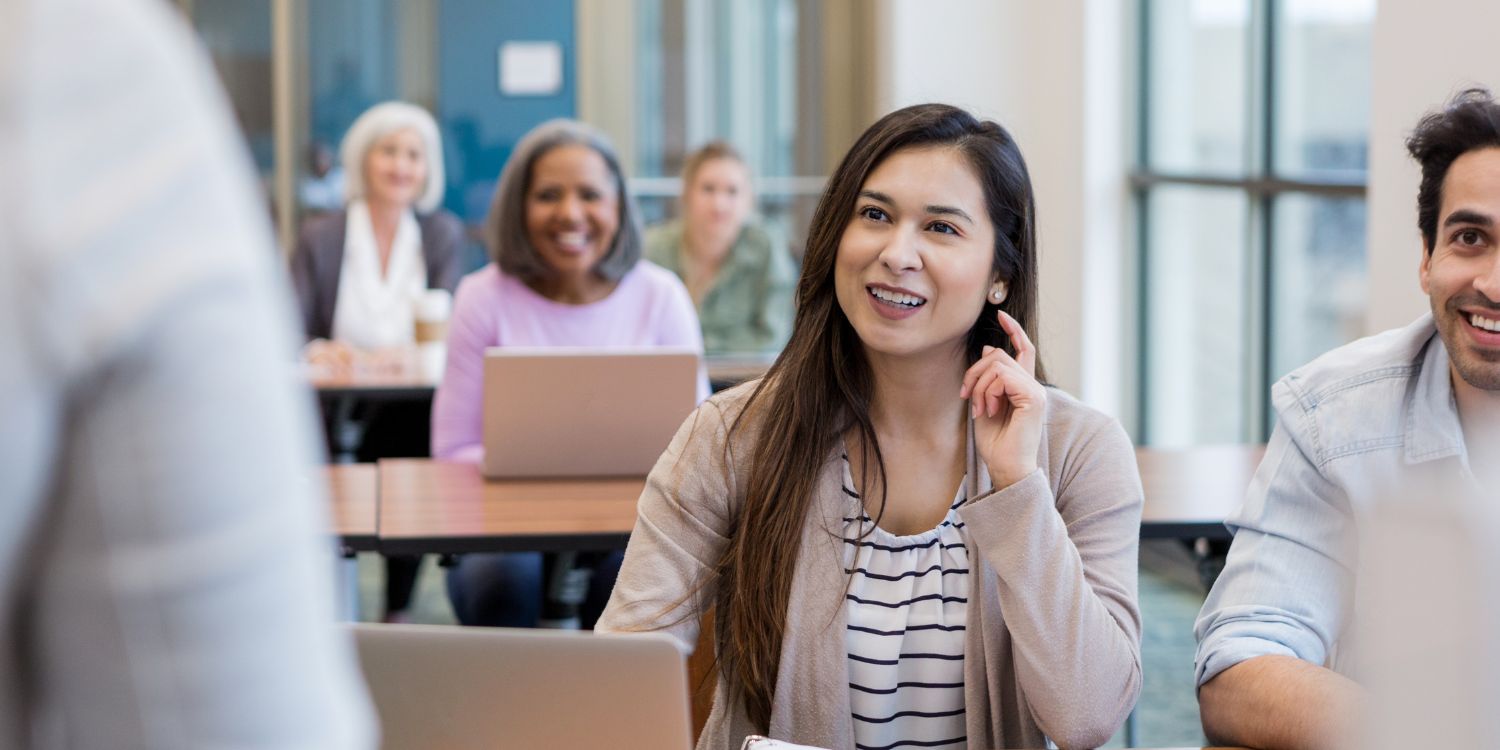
(1392, 415)
(741, 280)
(152, 449)
(360, 272)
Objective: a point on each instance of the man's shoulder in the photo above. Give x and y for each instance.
(1371, 362)
(1355, 400)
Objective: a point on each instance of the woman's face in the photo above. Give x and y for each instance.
(915, 261)
(396, 168)
(572, 208)
(718, 198)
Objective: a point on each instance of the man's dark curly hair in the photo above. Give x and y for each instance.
(1471, 120)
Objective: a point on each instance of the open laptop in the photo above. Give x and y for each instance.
(458, 688)
(563, 412)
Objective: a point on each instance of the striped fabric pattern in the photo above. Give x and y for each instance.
(906, 607)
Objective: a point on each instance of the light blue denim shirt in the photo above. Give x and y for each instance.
(1358, 424)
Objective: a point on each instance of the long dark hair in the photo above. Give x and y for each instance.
(819, 388)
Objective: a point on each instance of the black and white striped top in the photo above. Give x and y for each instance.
(907, 601)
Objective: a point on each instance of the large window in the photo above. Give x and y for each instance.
(238, 38)
(338, 57)
(1250, 191)
(748, 73)
(765, 76)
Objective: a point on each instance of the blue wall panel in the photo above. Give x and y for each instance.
(481, 126)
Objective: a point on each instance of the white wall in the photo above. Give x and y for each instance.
(1423, 52)
(1054, 74)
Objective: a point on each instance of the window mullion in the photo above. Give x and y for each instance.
(1261, 114)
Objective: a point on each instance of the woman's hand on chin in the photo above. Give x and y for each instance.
(1008, 405)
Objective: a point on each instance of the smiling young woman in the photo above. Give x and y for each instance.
(906, 537)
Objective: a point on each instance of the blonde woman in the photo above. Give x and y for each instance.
(739, 276)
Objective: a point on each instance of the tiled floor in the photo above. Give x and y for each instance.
(1167, 715)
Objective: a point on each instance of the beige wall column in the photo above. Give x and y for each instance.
(606, 72)
(851, 75)
(1422, 53)
(416, 26)
(288, 111)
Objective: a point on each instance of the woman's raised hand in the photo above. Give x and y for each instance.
(1008, 405)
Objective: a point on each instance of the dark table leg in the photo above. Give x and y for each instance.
(345, 431)
(1211, 555)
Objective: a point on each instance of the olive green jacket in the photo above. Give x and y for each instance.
(749, 308)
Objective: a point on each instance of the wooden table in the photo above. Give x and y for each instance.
(407, 383)
(383, 386)
(729, 370)
(434, 506)
(353, 494)
(1189, 492)
(342, 394)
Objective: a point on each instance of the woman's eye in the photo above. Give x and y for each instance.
(873, 214)
(943, 227)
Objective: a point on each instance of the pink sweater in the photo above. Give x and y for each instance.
(650, 307)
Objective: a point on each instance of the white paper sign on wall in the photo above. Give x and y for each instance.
(531, 68)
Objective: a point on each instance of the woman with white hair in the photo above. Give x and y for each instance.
(359, 272)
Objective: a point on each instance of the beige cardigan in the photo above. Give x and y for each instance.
(1053, 636)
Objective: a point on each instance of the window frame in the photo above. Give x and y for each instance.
(1260, 186)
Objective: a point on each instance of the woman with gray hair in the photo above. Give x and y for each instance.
(565, 239)
(359, 273)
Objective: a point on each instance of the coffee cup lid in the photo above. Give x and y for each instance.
(434, 305)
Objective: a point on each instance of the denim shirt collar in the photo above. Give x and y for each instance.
(1433, 430)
